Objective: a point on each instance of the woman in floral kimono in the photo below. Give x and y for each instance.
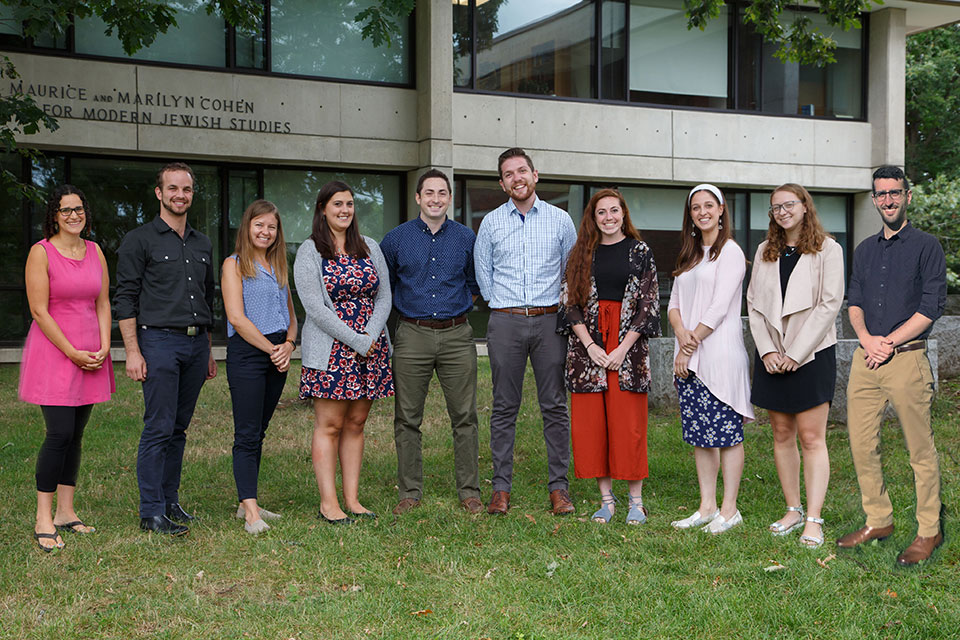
(609, 308)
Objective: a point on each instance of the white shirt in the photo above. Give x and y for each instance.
(710, 294)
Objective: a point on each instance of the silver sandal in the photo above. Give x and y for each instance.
(813, 542)
(779, 529)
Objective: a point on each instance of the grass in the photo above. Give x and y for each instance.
(438, 572)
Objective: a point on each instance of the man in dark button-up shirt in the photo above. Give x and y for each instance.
(164, 305)
(431, 272)
(897, 291)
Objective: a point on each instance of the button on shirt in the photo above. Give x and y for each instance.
(520, 259)
(894, 278)
(431, 274)
(264, 302)
(164, 280)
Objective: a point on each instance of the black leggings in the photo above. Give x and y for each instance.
(59, 457)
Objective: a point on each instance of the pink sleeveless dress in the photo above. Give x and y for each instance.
(47, 376)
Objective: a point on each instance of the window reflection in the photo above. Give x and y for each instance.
(542, 47)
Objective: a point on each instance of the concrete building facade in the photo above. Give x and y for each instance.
(600, 92)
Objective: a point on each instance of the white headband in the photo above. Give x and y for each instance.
(705, 187)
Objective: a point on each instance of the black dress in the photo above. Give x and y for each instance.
(810, 385)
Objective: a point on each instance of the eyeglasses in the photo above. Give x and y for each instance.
(895, 194)
(785, 206)
(66, 212)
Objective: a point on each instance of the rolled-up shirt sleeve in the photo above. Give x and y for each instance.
(933, 276)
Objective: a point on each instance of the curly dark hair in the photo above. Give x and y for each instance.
(51, 221)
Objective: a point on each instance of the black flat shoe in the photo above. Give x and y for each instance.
(163, 524)
(72, 527)
(176, 512)
(344, 520)
(369, 515)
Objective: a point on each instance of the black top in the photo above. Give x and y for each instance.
(164, 280)
(611, 269)
(788, 260)
(894, 278)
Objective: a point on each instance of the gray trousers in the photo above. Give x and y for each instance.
(511, 339)
(452, 353)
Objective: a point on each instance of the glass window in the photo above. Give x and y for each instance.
(13, 254)
(613, 63)
(321, 39)
(243, 188)
(9, 25)
(542, 47)
(670, 64)
(771, 86)
(657, 213)
(831, 209)
(198, 39)
(462, 44)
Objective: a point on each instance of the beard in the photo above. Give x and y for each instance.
(897, 222)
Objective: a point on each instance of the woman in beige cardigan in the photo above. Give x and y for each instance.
(793, 299)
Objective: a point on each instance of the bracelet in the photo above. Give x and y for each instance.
(294, 344)
(592, 343)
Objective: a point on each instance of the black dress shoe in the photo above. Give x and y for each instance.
(176, 512)
(163, 524)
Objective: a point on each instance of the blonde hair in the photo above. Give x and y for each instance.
(276, 252)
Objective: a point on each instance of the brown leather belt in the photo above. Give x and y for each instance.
(528, 311)
(436, 324)
(911, 346)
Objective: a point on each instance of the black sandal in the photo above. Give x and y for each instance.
(50, 536)
(72, 527)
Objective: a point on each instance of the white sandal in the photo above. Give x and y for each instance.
(779, 529)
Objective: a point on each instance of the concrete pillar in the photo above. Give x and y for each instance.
(434, 20)
(886, 102)
(866, 220)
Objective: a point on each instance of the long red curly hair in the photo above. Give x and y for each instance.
(580, 262)
(812, 233)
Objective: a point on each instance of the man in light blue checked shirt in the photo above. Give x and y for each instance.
(520, 254)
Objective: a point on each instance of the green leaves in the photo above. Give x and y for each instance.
(377, 21)
(935, 208)
(798, 40)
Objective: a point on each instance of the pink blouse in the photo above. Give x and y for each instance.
(710, 293)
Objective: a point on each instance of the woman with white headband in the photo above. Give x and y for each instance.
(711, 367)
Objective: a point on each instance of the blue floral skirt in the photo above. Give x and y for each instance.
(704, 420)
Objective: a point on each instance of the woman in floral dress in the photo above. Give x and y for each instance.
(342, 282)
(710, 361)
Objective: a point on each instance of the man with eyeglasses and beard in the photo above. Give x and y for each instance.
(897, 291)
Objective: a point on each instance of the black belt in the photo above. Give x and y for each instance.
(436, 324)
(911, 346)
(193, 330)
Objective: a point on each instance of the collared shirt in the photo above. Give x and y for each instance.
(520, 258)
(164, 280)
(431, 274)
(894, 278)
(264, 302)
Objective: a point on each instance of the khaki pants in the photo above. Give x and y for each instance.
(452, 353)
(906, 382)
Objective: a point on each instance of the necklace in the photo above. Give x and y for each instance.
(786, 252)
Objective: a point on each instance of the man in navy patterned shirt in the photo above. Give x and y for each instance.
(431, 273)
(520, 255)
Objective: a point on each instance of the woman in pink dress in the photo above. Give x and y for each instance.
(66, 366)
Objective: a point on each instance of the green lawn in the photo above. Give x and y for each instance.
(439, 572)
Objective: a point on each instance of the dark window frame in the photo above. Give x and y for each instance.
(736, 33)
(19, 44)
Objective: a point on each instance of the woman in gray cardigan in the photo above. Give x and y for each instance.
(342, 282)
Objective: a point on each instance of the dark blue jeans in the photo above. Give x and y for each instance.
(255, 388)
(176, 370)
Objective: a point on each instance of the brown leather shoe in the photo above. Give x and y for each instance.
(919, 550)
(499, 503)
(472, 505)
(560, 500)
(866, 534)
(405, 505)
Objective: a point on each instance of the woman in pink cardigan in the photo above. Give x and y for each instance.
(794, 296)
(710, 360)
